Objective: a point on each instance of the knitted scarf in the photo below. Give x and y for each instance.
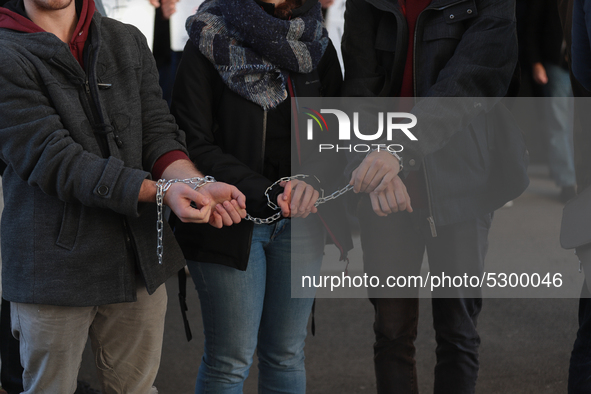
(254, 51)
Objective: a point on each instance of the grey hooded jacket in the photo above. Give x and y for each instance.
(78, 145)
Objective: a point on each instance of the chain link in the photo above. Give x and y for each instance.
(270, 203)
(162, 187)
(334, 195)
(274, 206)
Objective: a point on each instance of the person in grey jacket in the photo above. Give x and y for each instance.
(455, 59)
(83, 129)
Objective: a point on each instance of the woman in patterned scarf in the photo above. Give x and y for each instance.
(245, 65)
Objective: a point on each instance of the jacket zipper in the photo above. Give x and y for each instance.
(264, 140)
(430, 218)
(100, 139)
(94, 109)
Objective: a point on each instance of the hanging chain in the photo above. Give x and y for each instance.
(274, 206)
(162, 187)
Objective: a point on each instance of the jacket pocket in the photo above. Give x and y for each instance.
(460, 12)
(69, 228)
(439, 31)
(452, 16)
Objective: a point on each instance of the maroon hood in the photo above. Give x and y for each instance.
(16, 21)
(13, 21)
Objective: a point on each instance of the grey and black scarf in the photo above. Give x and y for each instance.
(254, 51)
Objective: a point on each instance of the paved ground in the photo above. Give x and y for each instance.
(525, 342)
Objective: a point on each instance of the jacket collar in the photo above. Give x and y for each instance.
(392, 5)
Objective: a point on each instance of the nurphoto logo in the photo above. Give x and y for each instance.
(392, 121)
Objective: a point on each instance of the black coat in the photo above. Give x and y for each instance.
(225, 138)
(473, 158)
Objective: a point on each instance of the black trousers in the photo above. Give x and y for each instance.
(394, 246)
(579, 373)
(11, 374)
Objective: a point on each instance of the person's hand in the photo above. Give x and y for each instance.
(375, 172)
(228, 204)
(168, 7)
(188, 205)
(215, 203)
(394, 198)
(298, 199)
(539, 74)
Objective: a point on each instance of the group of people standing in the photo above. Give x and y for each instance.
(93, 154)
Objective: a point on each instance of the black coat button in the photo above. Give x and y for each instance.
(103, 190)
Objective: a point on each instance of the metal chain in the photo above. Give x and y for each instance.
(274, 206)
(268, 220)
(334, 195)
(162, 187)
(270, 203)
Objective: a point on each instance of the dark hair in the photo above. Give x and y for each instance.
(283, 10)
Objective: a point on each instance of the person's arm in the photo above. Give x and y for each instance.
(217, 204)
(532, 44)
(481, 67)
(480, 71)
(194, 106)
(40, 150)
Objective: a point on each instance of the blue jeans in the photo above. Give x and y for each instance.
(559, 115)
(244, 310)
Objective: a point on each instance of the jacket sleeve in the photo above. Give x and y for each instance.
(534, 26)
(481, 67)
(328, 166)
(364, 76)
(36, 145)
(194, 104)
(160, 133)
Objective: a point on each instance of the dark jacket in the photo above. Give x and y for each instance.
(543, 33)
(226, 139)
(473, 158)
(78, 146)
(576, 21)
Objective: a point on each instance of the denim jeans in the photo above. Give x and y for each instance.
(244, 310)
(395, 245)
(558, 116)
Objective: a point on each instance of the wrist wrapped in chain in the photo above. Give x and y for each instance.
(274, 206)
(393, 153)
(162, 187)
